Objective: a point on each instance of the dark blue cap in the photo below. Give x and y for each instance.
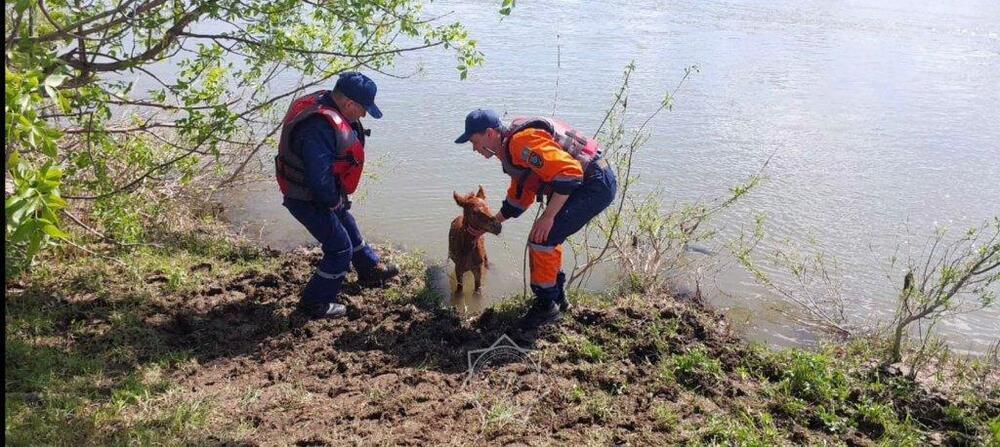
(360, 89)
(477, 121)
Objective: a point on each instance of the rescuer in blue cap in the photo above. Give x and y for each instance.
(545, 157)
(321, 155)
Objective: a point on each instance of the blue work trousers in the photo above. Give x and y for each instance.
(588, 200)
(342, 245)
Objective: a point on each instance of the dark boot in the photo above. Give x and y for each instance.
(324, 310)
(561, 298)
(540, 314)
(378, 276)
(564, 306)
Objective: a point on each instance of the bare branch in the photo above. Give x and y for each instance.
(256, 43)
(121, 9)
(142, 177)
(149, 54)
(122, 130)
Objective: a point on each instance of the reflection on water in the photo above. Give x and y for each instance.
(883, 115)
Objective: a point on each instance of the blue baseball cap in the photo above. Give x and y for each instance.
(477, 121)
(360, 89)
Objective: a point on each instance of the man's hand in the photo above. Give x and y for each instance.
(540, 230)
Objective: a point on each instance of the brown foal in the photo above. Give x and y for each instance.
(466, 246)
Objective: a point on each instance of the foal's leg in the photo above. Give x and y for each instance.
(477, 273)
(459, 273)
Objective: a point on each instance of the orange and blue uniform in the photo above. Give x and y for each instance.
(545, 156)
(552, 170)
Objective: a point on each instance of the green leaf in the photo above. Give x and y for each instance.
(48, 216)
(63, 103)
(55, 80)
(53, 174)
(506, 7)
(30, 206)
(24, 231)
(52, 93)
(13, 203)
(54, 201)
(54, 231)
(22, 5)
(35, 244)
(46, 186)
(47, 147)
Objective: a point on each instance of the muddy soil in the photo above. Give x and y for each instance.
(396, 370)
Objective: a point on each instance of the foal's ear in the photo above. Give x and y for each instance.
(481, 194)
(460, 200)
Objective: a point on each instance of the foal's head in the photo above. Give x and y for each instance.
(477, 214)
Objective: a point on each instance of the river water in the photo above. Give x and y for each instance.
(884, 118)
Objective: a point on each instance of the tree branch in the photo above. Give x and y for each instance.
(168, 38)
(60, 34)
(253, 42)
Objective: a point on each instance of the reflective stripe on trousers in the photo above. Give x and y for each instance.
(545, 262)
(342, 245)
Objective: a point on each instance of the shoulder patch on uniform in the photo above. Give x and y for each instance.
(535, 160)
(531, 157)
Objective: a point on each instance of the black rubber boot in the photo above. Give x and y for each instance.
(379, 275)
(540, 314)
(324, 310)
(561, 298)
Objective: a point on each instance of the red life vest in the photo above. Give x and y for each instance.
(348, 162)
(584, 149)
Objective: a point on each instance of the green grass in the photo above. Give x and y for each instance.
(832, 421)
(576, 394)
(784, 404)
(599, 405)
(136, 410)
(958, 416)
(993, 432)
(665, 417)
(694, 368)
(661, 332)
(83, 366)
(879, 415)
(499, 416)
(813, 377)
(747, 429)
(583, 348)
(591, 299)
(832, 391)
(511, 308)
(593, 352)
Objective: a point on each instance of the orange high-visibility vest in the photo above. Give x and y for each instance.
(582, 148)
